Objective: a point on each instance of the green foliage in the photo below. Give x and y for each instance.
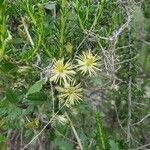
(35, 35)
(2, 28)
(63, 145)
(36, 87)
(101, 139)
(113, 145)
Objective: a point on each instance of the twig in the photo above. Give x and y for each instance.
(89, 147)
(21, 137)
(122, 28)
(129, 106)
(137, 123)
(141, 147)
(75, 132)
(119, 119)
(53, 98)
(27, 32)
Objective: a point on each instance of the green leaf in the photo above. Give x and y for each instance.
(97, 81)
(12, 96)
(2, 138)
(63, 145)
(26, 55)
(29, 109)
(7, 67)
(14, 113)
(39, 96)
(113, 145)
(4, 103)
(36, 87)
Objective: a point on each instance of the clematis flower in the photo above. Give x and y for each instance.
(87, 63)
(70, 93)
(62, 71)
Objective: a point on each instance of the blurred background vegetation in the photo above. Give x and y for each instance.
(114, 113)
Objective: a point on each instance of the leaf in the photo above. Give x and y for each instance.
(4, 103)
(14, 113)
(39, 96)
(7, 67)
(26, 55)
(2, 138)
(2, 123)
(13, 96)
(36, 87)
(3, 111)
(29, 109)
(97, 81)
(63, 145)
(113, 145)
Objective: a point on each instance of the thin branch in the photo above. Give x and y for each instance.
(129, 105)
(141, 147)
(27, 32)
(137, 123)
(119, 119)
(75, 132)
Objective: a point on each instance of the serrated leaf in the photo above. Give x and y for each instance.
(36, 87)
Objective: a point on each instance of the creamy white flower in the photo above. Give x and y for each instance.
(70, 93)
(62, 71)
(87, 63)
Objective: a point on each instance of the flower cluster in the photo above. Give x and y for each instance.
(63, 75)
